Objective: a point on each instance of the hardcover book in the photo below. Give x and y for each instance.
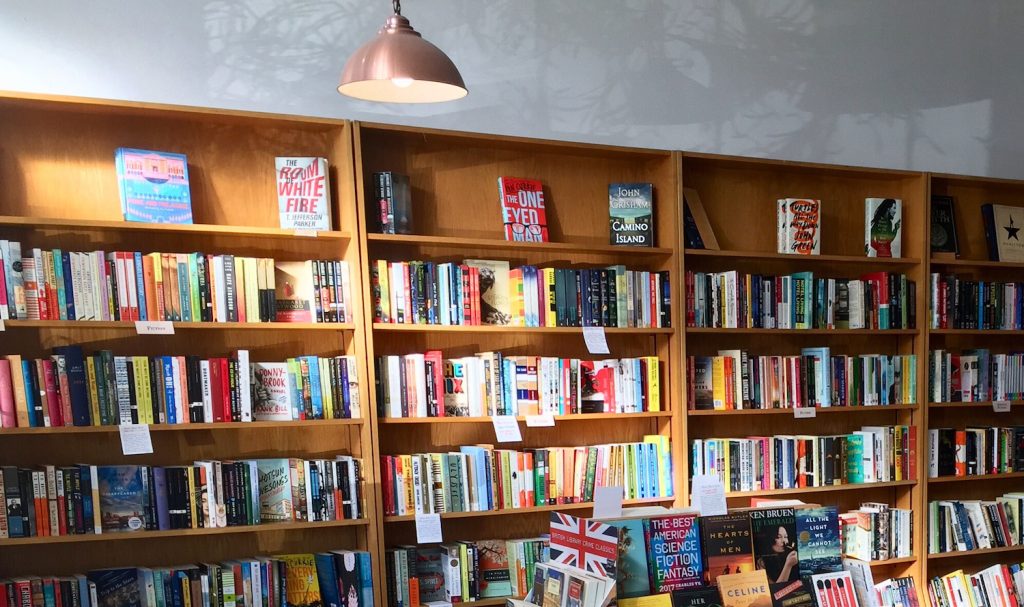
(275, 488)
(583, 543)
(123, 497)
(791, 594)
(303, 193)
(834, 589)
(747, 589)
(272, 392)
(818, 545)
(774, 533)
(674, 555)
(702, 597)
(153, 186)
(799, 226)
(943, 235)
(302, 588)
(1003, 225)
(392, 203)
(727, 545)
(495, 306)
(116, 587)
(495, 578)
(631, 576)
(522, 209)
(631, 214)
(293, 291)
(883, 223)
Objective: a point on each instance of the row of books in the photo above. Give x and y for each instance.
(489, 292)
(87, 499)
(70, 388)
(877, 532)
(974, 376)
(293, 580)
(462, 571)
(960, 525)
(732, 299)
(960, 303)
(561, 585)
(736, 380)
(131, 285)
(873, 454)
(975, 451)
(995, 586)
(492, 383)
(477, 478)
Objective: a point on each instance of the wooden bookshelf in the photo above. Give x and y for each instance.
(58, 189)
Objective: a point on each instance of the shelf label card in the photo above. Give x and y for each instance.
(506, 429)
(428, 529)
(1001, 406)
(708, 495)
(135, 439)
(544, 420)
(154, 327)
(596, 341)
(306, 233)
(608, 502)
(805, 412)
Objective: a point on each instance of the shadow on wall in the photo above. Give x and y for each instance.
(869, 83)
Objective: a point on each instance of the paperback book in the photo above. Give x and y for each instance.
(799, 226)
(746, 589)
(522, 209)
(818, 544)
(154, 186)
(674, 552)
(303, 193)
(883, 227)
(631, 214)
(1003, 225)
(727, 546)
(774, 533)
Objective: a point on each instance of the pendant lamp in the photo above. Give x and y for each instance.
(399, 66)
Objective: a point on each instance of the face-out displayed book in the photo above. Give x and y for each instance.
(303, 192)
(522, 209)
(631, 214)
(154, 186)
(798, 223)
(1003, 226)
(745, 589)
(883, 227)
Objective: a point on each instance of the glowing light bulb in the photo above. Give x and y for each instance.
(402, 82)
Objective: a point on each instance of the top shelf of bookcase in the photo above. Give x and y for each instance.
(53, 224)
(450, 242)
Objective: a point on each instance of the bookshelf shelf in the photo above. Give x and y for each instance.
(789, 332)
(976, 477)
(63, 325)
(533, 510)
(979, 405)
(501, 329)
(981, 264)
(828, 489)
(178, 533)
(903, 560)
(579, 417)
(57, 224)
(978, 332)
(758, 257)
(190, 427)
(789, 411)
(972, 553)
(504, 246)
(490, 602)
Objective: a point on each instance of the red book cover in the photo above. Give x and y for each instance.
(961, 453)
(410, 306)
(217, 390)
(225, 391)
(149, 281)
(53, 407)
(912, 453)
(474, 283)
(435, 357)
(467, 296)
(388, 480)
(240, 279)
(64, 387)
(655, 300)
(522, 209)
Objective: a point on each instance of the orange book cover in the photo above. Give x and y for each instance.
(530, 489)
(521, 472)
(149, 283)
(961, 453)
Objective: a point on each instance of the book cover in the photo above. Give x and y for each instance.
(746, 589)
(495, 577)
(631, 575)
(456, 397)
(943, 233)
(583, 543)
(597, 386)
(303, 193)
(818, 545)
(554, 588)
(522, 209)
(1002, 227)
(883, 223)
(701, 597)
(674, 554)
(834, 589)
(272, 392)
(275, 488)
(293, 291)
(727, 545)
(799, 226)
(792, 594)
(495, 301)
(302, 588)
(116, 587)
(703, 386)
(123, 498)
(153, 186)
(392, 203)
(430, 573)
(631, 214)
(774, 534)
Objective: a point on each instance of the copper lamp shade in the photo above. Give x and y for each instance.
(399, 66)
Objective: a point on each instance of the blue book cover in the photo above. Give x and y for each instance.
(478, 461)
(78, 389)
(154, 186)
(116, 587)
(87, 506)
(140, 287)
(365, 579)
(631, 577)
(673, 552)
(123, 499)
(818, 545)
(69, 289)
(172, 414)
(58, 273)
(316, 394)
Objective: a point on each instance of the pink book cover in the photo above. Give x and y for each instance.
(522, 209)
(8, 418)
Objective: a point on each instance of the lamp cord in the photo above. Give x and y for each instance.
(397, 5)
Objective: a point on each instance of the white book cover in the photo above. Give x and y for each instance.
(883, 223)
(802, 231)
(303, 193)
(207, 390)
(1006, 228)
(244, 381)
(273, 399)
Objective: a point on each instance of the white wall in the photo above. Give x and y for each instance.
(899, 83)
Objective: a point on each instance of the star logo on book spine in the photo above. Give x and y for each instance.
(1011, 232)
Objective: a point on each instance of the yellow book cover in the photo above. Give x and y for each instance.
(326, 387)
(143, 397)
(718, 382)
(301, 586)
(550, 319)
(653, 383)
(94, 392)
(747, 589)
(382, 292)
(410, 498)
(158, 286)
(654, 600)
(190, 474)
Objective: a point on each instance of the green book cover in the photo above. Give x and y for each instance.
(631, 577)
(855, 458)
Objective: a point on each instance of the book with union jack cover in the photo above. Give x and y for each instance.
(583, 543)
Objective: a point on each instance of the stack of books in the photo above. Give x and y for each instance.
(736, 380)
(85, 499)
(732, 300)
(492, 383)
(874, 454)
